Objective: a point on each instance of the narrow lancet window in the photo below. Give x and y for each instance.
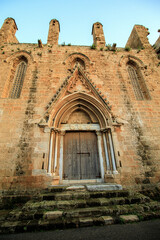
(18, 80)
(140, 89)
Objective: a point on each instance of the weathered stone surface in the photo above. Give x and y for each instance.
(39, 172)
(40, 205)
(7, 32)
(102, 208)
(98, 35)
(40, 45)
(104, 187)
(85, 222)
(108, 220)
(129, 218)
(76, 187)
(66, 87)
(53, 215)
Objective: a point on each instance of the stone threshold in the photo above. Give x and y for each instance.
(91, 187)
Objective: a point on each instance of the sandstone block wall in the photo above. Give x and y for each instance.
(24, 146)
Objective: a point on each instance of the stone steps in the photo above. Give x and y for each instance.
(83, 203)
(61, 223)
(111, 210)
(70, 195)
(21, 214)
(79, 195)
(61, 208)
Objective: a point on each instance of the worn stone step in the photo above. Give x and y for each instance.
(89, 187)
(72, 195)
(19, 226)
(84, 203)
(65, 196)
(116, 201)
(128, 218)
(110, 194)
(45, 205)
(103, 187)
(69, 211)
(149, 215)
(113, 210)
(56, 189)
(61, 223)
(93, 212)
(72, 204)
(17, 215)
(51, 205)
(8, 201)
(77, 208)
(69, 195)
(63, 188)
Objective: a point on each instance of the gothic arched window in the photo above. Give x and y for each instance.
(79, 61)
(140, 89)
(18, 79)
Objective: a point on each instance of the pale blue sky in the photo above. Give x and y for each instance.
(76, 18)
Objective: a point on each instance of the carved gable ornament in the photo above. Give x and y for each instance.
(78, 83)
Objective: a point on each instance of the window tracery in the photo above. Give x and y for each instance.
(140, 89)
(18, 80)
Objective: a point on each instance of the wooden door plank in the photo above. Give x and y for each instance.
(75, 174)
(71, 164)
(81, 159)
(90, 161)
(85, 155)
(95, 156)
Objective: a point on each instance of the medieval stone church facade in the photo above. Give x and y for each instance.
(78, 114)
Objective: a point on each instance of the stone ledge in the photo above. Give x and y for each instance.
(129, 218)
(85, 222)
(104, 187)
(108, 220)
(76, 187)
(53, 215)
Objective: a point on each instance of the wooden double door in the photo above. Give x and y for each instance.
(81, 159)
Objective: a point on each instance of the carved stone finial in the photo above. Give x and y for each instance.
(53, 34)
(98, 35)
(114, 47)
(40, 45)
(8, 31)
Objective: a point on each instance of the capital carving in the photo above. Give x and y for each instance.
(62, 133)
(104, 130)
(47, 129)
(98, 133)
(56, 130)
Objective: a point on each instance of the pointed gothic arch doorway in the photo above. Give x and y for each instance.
(81, 147)
(81, 156)
(78, 115)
